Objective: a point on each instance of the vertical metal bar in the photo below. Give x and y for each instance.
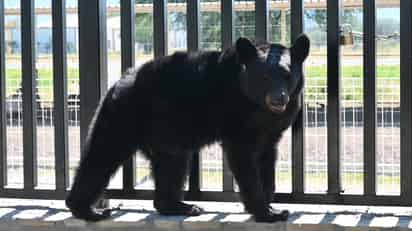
(128, 55)
(193, 25)
(298, 129)
(333, 92)
(3, 140)
(160, 27)
(127, 33)
(262, 19)
(227, 13)
(92, 63)
(193, 42)
(195, 179)
(369, 97)
(60, 95)
(92, 59)
(228, 180)
(261, 34)
(406, 98)
(29, 100)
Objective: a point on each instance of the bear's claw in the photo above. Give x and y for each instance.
(180, 209)
(91, 216)
(273, 216)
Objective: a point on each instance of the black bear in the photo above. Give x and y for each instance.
(244, 98)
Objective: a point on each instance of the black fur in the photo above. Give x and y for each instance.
(173, 106)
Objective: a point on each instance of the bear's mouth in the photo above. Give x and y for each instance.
(274, 108)
(277, 109)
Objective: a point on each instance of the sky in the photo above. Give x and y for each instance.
(47, 3)
(381, 13)
(45, 19)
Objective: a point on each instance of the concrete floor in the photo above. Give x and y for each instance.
(139, 215)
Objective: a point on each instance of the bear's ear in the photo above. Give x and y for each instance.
(300, 49)
(245, 50)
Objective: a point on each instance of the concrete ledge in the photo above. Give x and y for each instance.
(139, 215)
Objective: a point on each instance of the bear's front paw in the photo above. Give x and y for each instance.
(271, 216)
(90, 215)
(178, 209)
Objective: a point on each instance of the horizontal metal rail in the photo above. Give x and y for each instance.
(227, 197)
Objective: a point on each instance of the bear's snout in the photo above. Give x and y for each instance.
(277, 103)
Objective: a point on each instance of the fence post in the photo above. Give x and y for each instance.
(227, 13)
(193, 42)
(298, 130)
(3, 140)
(128, 60)
(369, 97)
(160, 27)
(60, 95)
(29, 99)
(406, 99)
(333, 96)
(92, 59)
(262, 20)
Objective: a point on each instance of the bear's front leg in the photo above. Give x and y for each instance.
(267, 162)
(170, 171)
(266, 167)
(244, 163)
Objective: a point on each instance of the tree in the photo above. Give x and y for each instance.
(210, 30)
(318, 16)
(144, 31)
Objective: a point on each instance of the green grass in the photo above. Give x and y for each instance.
(214, 178)
(45, 81)
(383, 71)
(315, 76)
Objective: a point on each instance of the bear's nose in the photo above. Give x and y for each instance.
(280, 100)
(284, 98)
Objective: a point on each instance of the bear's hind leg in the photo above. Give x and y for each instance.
(100, 162)
(169, 173)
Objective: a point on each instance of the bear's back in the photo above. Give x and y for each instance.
(182, 97)
(185, 75)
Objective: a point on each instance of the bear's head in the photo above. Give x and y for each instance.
(271, 74)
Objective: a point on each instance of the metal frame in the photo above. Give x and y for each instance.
(160, 27)
(29, 99)
(262, 34)
(298, 129)
(92, 59)
(406, 99)
(60, 95)
(226, 196)
(333, 96)
(93, 83)
(369, 97)
(262, 20)
(193, 44)
(3, 140)
(128, 60)
(227, 17)
(193, 25)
